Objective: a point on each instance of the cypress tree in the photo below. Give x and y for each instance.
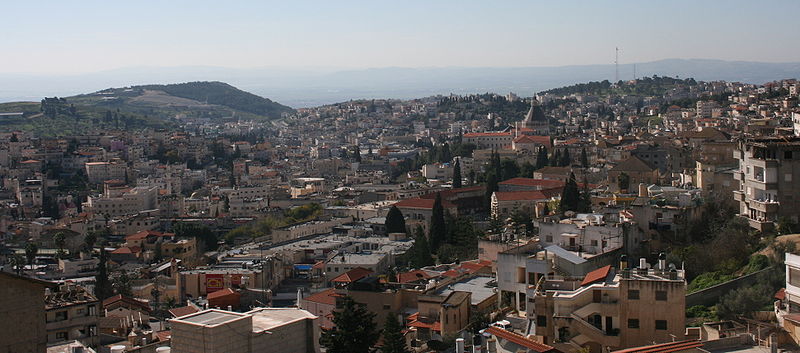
(556, 158)
(541, 158)
(421, 251)
(354, 329)
(570, 197)
(457, 174)
(102, 288)
(395, 222)
(566, 160)
(584, 158)
(437, 228)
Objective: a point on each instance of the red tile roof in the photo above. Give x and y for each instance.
(126, 300)
(542, 140)
(412, 276)
(183, 311)
(352, 275)
(519, 339)
(542, 183)
(596, 275)
(325, 297)
(520, 195)
(487, 134)
(677, 346)
(127, 250)
(164, 335)
(419, 202)
(221, 293)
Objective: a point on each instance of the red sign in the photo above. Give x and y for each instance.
(236, 280)
(214, 282)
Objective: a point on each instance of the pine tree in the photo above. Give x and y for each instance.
(354, 329)
(457, 174)
(584, 158)
(395, 222)
(437, 229)
(393, 339)
(526, 170)
(491, 187)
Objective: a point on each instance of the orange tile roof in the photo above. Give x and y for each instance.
(325, 297)
(145, 233)
(352, 275)
(183, 311)
(411, 276)
(596, 275)
(221, 293)
(519, 339)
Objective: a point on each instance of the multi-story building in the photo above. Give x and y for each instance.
(127, 202)
(98, 172)
(71, 314)
(259, 330)
(769, 177)
(607, 310)
(22, 329)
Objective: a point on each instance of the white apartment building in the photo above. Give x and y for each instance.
(98, 172)
(130, 202)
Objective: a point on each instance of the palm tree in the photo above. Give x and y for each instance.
(30, 252)
(89, 240)
(60, 240)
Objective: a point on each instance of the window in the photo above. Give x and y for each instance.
(633, 294)
(633, 323)
(541, 320)
(661, 324)
(787, 154)
(787, 177)
(61, 315)
(386, 306)
(661, 295)
(794, 276)
(594, 242)
(61, 335)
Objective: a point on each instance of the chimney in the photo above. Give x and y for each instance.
(643, 190)
(662, 261)
(459, 345)
(299, 297)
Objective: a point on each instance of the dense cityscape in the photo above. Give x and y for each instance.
(650, 215)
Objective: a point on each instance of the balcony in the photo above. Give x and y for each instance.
(738, 195)
(759, 224)
(764, 205)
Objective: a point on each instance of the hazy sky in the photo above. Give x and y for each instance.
(87, 36)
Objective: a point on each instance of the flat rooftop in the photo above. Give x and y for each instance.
(265, 319)
(211, 317)
(478, 286)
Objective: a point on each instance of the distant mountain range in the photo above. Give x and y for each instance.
(305, 88)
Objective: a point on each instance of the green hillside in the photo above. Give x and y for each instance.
(220, 93)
